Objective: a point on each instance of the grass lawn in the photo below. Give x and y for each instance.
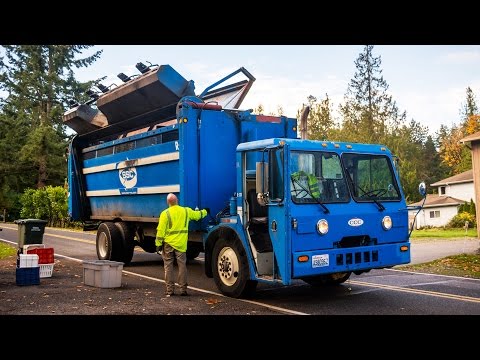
(464, 265)
(443, 233)
(7, 250)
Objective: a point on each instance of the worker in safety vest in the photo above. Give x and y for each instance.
(312, 182)
(171, 239)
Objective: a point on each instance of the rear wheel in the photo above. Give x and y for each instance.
(329, 279)
(230, 269)
(109, 242)
(128, 242)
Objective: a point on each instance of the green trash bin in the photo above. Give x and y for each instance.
(30, 231)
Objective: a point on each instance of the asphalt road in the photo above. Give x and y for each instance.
(379, 292)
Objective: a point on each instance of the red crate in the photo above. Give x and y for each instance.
(45, 256)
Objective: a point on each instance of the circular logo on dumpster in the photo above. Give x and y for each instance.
(128, 177)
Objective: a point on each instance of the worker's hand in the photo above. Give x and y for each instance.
(208, 210)
(159, 249)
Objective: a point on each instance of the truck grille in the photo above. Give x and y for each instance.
(357, 257)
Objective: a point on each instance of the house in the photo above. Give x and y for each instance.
(440, 208)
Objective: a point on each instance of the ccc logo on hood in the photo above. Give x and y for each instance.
(355, 222)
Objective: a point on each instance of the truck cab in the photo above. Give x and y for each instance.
(310, 210)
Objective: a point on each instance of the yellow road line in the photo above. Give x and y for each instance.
(71, 238)
(416, 291)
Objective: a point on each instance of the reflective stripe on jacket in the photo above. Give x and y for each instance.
(173, 226)
(312, 182)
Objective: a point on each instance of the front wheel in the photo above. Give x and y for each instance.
(329, 279)
(230, 269)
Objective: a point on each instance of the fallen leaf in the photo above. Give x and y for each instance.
(213, 301)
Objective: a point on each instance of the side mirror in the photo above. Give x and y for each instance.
(422, 189)
(263, 199)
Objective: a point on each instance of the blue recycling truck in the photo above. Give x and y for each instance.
(282, 208)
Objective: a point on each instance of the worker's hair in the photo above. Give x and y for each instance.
(172, 199)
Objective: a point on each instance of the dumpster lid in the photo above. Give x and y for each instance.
(25, 221)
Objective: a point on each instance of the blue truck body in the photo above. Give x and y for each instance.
(268, 225)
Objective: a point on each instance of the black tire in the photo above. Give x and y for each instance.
(128, 242)
(325, 280)
(109, 242)
(193, 250)
(230, 269)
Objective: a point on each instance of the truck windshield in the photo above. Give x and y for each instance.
(317, 177)
(370, 177)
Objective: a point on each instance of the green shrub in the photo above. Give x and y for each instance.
(49, 203)
(458, 221)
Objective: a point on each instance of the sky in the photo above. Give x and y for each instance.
(429, 82)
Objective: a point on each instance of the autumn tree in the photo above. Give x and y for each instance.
(259, 109)
(454, 154)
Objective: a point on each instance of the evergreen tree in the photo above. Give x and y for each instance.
(470, 107)
(39, 80)
(369, 113)
(432, 167)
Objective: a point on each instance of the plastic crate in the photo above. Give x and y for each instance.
(28, 276)
(45, 255)
(46, 270)
(27, 261)
(27, 248)
(102, 273)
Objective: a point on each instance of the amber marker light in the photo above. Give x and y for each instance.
(404, 248)
(303, 258)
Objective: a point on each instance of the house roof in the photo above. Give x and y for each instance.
(464, 177)
(472, 137)
(434, 200)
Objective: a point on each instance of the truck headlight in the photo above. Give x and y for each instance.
(322, 226)
(387, 222)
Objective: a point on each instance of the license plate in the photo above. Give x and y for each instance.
(320, 260)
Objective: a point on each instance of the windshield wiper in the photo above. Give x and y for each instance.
(379, 204)
(325, 209)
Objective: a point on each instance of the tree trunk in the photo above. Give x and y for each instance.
(42, 171)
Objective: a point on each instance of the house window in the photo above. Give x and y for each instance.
(442, 190)
(434, 214)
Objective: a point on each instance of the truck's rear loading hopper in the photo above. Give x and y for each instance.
(155, 89)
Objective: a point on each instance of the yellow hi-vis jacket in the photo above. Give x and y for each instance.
(173, 226)
(312, 182)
